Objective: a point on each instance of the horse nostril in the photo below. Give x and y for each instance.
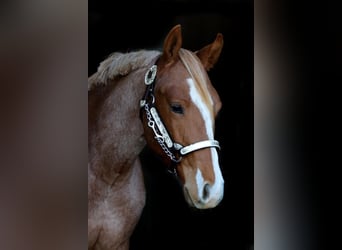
(206, 191)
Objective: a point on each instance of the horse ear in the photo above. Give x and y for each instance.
(172, 43)
(211, 53)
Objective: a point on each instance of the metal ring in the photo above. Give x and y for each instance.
(150, 124)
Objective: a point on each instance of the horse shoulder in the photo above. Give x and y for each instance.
(115, 209)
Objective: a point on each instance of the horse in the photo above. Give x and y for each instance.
(160, 99)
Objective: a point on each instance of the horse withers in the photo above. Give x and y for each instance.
(162, 99)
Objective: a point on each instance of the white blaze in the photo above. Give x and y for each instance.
(217, 188)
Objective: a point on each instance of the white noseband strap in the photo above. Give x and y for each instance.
(196, 146)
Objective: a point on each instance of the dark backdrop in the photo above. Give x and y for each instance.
(167, 222)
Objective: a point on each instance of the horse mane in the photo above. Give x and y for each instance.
(120, 64)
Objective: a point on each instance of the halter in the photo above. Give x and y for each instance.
(175, 151)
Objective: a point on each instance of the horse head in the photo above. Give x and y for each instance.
(180, 106)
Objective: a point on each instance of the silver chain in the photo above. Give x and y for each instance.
(159, 137)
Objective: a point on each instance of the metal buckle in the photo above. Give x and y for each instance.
(150, 75)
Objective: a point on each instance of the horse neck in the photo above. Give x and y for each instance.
(115, 130)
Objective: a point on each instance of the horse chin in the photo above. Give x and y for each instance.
(188, 198)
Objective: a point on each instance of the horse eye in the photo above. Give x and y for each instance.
(177, 108)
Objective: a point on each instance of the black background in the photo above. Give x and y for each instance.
(167, 222)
